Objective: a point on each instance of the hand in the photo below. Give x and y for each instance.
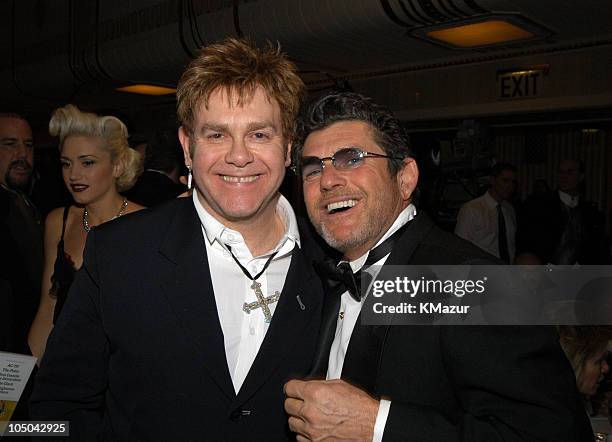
(330, 410)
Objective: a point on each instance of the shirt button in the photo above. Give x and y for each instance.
(252, 330)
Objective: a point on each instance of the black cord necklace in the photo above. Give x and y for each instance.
(256, 286)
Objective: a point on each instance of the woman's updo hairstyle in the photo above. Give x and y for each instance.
(69, 120)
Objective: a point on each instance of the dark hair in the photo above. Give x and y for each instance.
(498, 168)
(335, 106)
(164, 152)
(579, 163)
(14, 115)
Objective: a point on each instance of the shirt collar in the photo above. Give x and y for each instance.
(491, 202)
(161, 172)
(404, 217)
(568, 200)
(18, 193)
(8, 189)
(213, 229)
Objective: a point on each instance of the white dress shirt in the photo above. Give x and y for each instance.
(477, 222)
(244, 333)
(350, 309)
(569, 200)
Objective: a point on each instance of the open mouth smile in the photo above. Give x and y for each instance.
(239, 179)
(340, 206)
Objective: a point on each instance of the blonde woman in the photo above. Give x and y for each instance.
(586, 347)
(97, 164)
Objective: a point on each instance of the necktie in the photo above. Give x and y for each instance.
(339, 278)
(502, 241)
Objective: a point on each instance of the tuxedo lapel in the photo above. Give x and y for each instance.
(401, 254)
(331, 309)
(360, 366)
(415, 232)
(367, 342)
(188, 288)
(291, 317)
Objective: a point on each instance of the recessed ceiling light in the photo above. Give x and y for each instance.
(147, 89)
(483, 31)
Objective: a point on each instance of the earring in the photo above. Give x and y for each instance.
(189, 177)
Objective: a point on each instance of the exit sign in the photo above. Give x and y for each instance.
(520, 83)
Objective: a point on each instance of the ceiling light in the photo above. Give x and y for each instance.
(483, 31)
(147, 89)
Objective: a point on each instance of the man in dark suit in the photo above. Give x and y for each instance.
(20, 235)
(421, 382)
(21, 246)
(162, 169)
(561, 227)
(186, 319)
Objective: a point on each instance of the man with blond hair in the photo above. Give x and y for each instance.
(186, 320)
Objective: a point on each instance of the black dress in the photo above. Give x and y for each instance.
(63, 272)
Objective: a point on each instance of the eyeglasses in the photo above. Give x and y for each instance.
(344, 159)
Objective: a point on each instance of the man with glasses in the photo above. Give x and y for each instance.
(422, 382)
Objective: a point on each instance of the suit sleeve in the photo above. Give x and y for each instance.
(71, 382)
(511, 383)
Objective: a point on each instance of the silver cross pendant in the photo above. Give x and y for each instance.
(261, 302)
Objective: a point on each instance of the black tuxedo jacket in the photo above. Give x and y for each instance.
(138, 352)
(21, 256)
(153, 188)
(454, 383)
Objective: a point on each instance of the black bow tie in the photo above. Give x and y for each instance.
(339, 278)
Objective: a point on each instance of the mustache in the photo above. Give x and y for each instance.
(20, 163)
